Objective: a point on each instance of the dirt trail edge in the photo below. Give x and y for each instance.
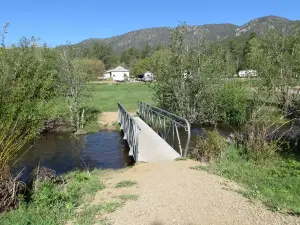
(173, 193)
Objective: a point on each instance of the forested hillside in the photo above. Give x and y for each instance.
(215, 32)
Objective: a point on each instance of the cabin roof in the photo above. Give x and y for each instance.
(118, 69)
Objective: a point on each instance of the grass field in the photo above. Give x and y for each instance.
(105, 97)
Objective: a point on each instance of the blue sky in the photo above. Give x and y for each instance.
(58, 21)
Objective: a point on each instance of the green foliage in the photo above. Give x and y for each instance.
(74, 74)
(275, 181)
(141, 66)
(28, 81)
(94, 68)
(180, 71)
(55, 203)
(130, 56)
(125, 183)
(146, 52)
(233, 103)
(105, 53)
(276, 58)
(208, 147)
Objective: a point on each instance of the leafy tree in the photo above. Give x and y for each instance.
(248, 47)
(188, 79)
(146, 51)
(93, 67)
(106, 54)
(141, 66)
(276, 58)
(27, 83)
(130, 56)
(74, 76)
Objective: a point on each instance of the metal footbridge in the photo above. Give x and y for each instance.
(154, 134)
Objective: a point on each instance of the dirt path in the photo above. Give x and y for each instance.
(108, 120)
(172, 193)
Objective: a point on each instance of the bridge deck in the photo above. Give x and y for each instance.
(152, 147)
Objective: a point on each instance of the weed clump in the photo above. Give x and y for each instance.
(208, 147)
(125, 183)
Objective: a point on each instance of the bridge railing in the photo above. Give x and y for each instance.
(131, 130)
(175, 130)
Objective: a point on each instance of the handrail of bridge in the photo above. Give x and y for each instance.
(131, 130)
(166, 124)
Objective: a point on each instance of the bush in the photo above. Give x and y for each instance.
(208, 147)
(259, 137)
(232, 102)
(255, 145)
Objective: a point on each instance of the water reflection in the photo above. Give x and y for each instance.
(63, 153)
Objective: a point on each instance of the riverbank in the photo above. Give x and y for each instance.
(57, 203)
(101, 99)
(144, 195)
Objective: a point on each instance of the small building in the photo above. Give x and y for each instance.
(117, 74)
(146, 77)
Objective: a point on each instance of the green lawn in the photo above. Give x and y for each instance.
(105, 97)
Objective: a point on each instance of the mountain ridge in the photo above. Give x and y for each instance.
(215, 32)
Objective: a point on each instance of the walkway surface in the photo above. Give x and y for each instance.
(173, 193)
(152, 147)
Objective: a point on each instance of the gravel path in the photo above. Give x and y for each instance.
(172, 193)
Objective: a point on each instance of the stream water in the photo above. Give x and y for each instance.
(62, 153)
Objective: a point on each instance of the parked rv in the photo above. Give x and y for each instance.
(146, 77)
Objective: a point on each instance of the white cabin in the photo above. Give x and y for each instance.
(117, 74)
(146, 77)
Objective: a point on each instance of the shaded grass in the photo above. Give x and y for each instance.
(276, 181)
(125, 183)
(55, 203)
(87, 216)
(126, 197)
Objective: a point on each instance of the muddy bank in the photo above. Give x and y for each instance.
(57, 125)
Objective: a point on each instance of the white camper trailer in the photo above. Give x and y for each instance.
(248, 73)
(146, 77)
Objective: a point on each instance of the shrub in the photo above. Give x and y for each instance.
(232, 103)
(209, 146)
(258, 139)
(255, 144)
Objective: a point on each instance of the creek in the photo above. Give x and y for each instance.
(103, 150)
(63, 152)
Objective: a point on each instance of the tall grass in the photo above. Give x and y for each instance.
(55, 203)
